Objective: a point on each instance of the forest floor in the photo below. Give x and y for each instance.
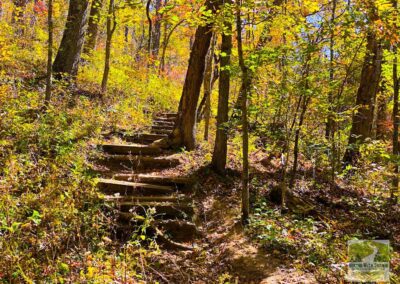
(275, 247)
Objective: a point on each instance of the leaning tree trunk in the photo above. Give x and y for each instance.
(369, 83)
(69, 53)
(221, 139)
(185, 128)
(93, 26)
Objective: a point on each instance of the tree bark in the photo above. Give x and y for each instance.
(208, 74)
(366, 94)
(157, 31)
(93, 26)
(245, 89)
(221, 139)
(111, 25)
(150, 26)
(329, 124)
(185, 128)
(49, 53)
(396, 119)
(69, 53)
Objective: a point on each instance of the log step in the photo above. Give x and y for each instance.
(167, 115)
(144, 137)
(163, 122)
(166, 119)
(161, 127)
(130, 149)
(163, 209)
(125, 162)
(126, 188)
(164, 180)
(140, 199)
(161, 131)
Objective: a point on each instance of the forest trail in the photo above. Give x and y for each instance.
(134, 187)
(196, 217)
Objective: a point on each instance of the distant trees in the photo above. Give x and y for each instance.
(69, 52)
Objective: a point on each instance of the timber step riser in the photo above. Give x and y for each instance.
(130, 149)
(127, 163)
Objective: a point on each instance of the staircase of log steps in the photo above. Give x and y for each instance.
(131, 186)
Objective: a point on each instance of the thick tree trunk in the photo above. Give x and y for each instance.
(363, 118)
(49, 53)
(111, 25)
(185, 128)
(69, 53)
(93, 26)
(221, 139)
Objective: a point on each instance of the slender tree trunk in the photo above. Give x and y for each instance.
(93, 26)
(165, 44)
(396, 120)
(185, 128)
(207, 85)
(221, 139)
(363, 118)
(49, 53)
(150, 26)
(306, 101)
(69, 53)
(111, 25)
(245, 90)
(329, 124)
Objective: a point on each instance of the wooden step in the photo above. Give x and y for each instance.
(161, 131)
(146, 138)
(166, 119)
(165, 180)
(167, 115)
(125, 162)
(161, 127)
(130, 149)
(163, 210)
(163, 122)
(141, 198)
(129, 188)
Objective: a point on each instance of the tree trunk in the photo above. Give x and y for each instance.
(93, 26)
(245, 88)
(157, 31)
(111, 25)
(69, 53)
(221, 139)
(49, 53)
(150, 26)
(165, 44)
(329, 124)
(363, 118)
(185, 128)
(396, 120)
(207, 86)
